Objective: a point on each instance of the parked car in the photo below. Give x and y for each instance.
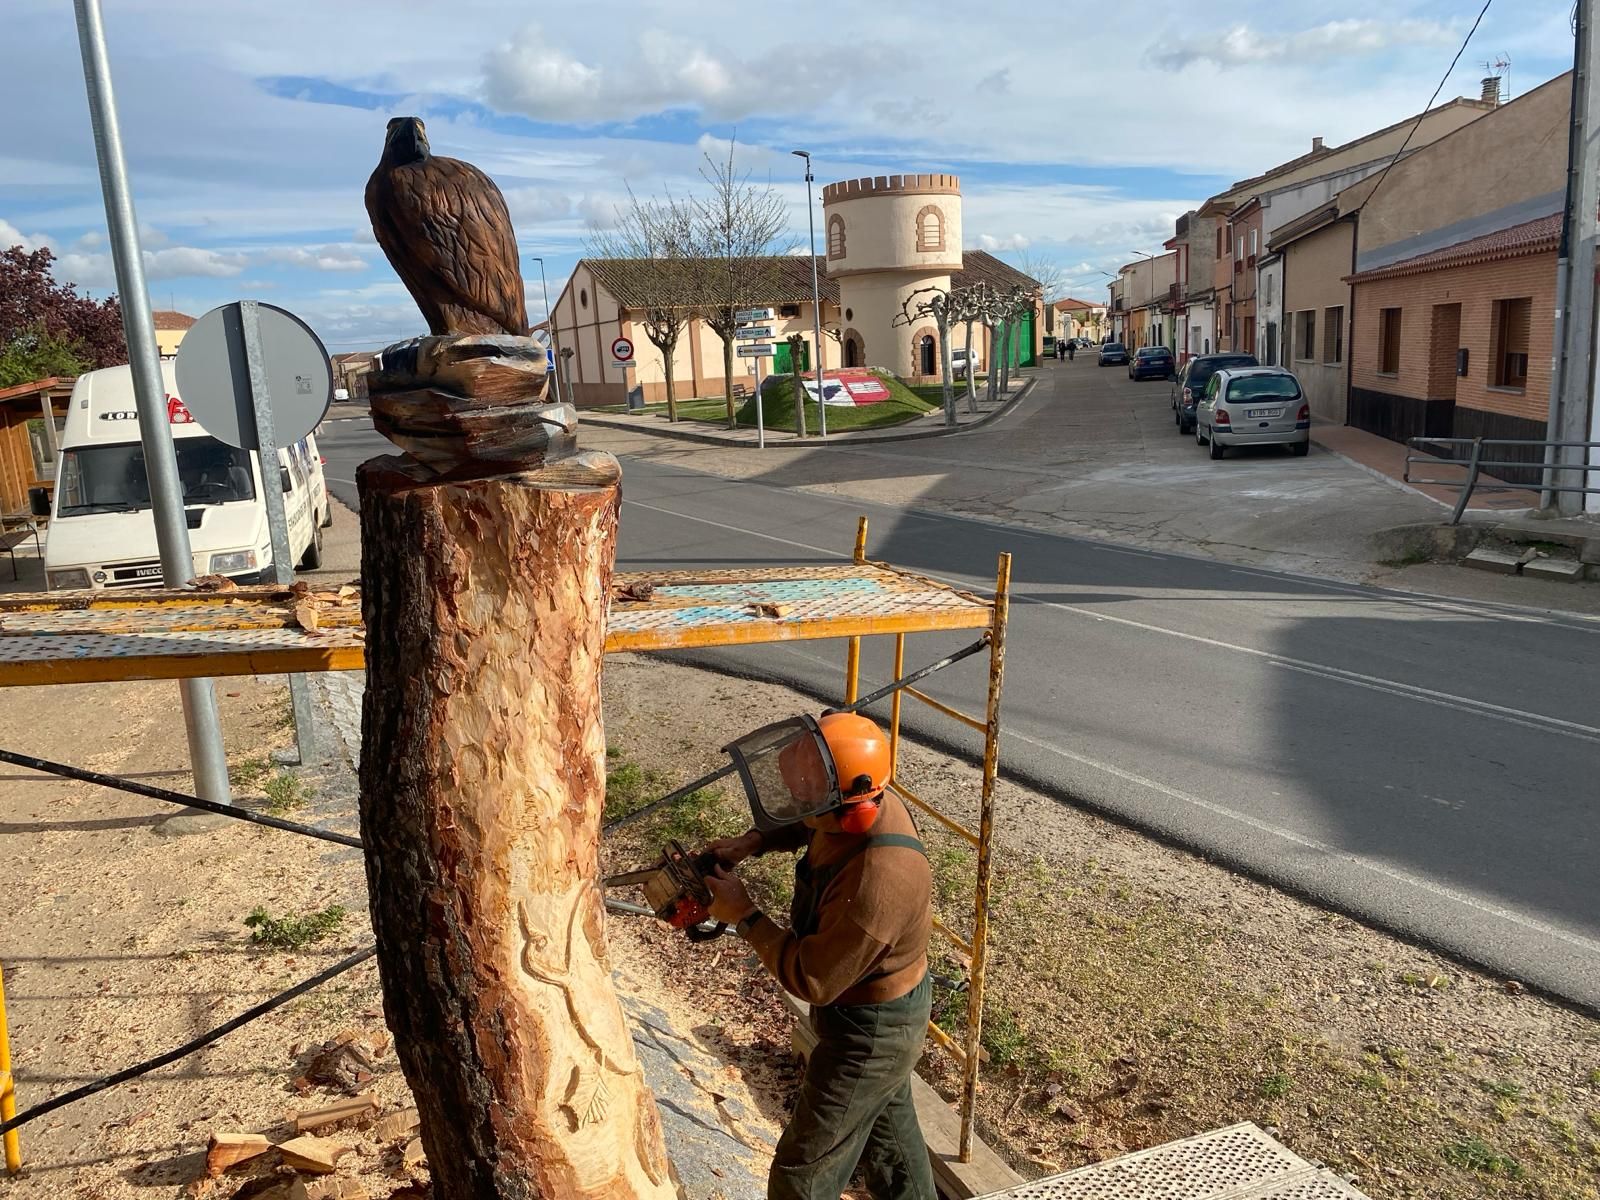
(1253, 406)
(1189, 384)
(1113, 354)
(961, 360)
(1150, 361)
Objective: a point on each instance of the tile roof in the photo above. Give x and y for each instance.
(1530, 237)
(168, 319)
(625, 278)
(1076, 305)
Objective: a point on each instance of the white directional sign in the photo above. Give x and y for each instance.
(755, 331)
(756, 350)
(745, 315)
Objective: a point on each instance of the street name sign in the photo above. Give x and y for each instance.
(746, 315)
(755, 331)
(756, 350)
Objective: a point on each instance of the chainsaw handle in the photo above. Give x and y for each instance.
(699, 933)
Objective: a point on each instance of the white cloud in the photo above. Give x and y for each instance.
(10, 236)
(598, 212)
(537, 205)
(1014, 241)
(1241, 45)
(328, 258)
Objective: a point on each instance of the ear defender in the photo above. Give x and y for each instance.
(859, 817)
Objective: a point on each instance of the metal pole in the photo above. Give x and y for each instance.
(1569, 403)
(761, 423)
(852, 658)
(247, 327)
(550, 320)
(816, 304)
(980, 916)
(201, 721)
(8, 1093)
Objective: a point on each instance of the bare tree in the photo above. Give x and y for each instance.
(738, 232)
(934, 302)
(965, 306)
(1046, 272)
(653, 244)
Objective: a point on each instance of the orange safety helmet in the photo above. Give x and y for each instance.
(860, 755)
(806, 767)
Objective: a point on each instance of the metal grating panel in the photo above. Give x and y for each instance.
(1314, 1185)
(90, 637)
(1224, 1163)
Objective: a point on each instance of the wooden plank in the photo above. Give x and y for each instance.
(345, 1110)
(229, 1149)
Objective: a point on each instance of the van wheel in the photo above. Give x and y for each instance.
(327, 517)
(1217, 450)
(312, 559)
(1301, 449)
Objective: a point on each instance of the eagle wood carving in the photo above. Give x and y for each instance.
(445, 229)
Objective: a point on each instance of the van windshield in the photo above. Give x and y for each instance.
(112, 478)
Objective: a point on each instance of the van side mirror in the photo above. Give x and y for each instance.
(39, 501)
(288, 484)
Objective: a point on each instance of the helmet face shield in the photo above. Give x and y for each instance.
(787, 771)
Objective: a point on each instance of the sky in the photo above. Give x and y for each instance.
(250, 128)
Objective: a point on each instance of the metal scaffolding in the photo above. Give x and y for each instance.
(114, 636)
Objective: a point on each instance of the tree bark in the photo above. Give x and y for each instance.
(972, 373)
(482, 784)
(727, 373)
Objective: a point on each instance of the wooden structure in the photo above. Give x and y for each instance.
(31, 417)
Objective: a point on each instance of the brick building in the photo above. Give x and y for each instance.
(1455, 342)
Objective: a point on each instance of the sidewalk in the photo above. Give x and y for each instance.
(929, 425)
(1387, 460)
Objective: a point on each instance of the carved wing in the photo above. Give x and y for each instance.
(444, 227)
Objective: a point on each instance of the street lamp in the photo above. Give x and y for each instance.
(550, 320)
(816, 303)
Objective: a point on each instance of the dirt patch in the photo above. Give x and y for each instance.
(1140, 994)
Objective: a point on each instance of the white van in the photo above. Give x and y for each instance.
(102, 533)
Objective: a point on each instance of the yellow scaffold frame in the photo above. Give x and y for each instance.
(91, 637)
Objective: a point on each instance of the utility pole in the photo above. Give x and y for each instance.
(201, 721)
(555, 342)
(1573, 379)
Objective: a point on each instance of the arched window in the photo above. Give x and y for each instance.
(854, 351)
(930, 229)
(927, 355)
(836, 236)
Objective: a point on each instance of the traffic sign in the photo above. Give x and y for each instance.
(746, 315)
(214, 376)
(622, 350)
(754, 331)
(756, 350)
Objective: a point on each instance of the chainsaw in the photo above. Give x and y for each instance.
(675, 889)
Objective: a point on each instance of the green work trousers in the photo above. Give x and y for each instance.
(855, 1106)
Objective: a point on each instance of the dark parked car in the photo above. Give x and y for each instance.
(1189, 384)
(1151, 362)
(1113, 354)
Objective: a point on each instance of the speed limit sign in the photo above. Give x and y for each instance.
(621, 352)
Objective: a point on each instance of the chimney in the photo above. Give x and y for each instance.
(1491, 90)
(1316, 145)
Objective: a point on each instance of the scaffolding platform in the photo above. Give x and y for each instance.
(107, 636)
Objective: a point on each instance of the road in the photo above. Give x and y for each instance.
(1429, 765)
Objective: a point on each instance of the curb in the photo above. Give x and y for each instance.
(607, 421)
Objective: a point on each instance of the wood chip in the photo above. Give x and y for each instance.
(215, 583)
(415, 1155)
(639, 590)
(765, 609)
(347, 592)
(229, 1149)
(306, 615)
(334, 1188)
(356, 1106)
(319, 1156)
(398, 1125)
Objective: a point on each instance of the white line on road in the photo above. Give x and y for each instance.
(1407, 691)
(1394, 874)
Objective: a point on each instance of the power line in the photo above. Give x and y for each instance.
(1462, 49)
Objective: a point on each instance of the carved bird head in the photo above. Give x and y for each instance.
(405, 142)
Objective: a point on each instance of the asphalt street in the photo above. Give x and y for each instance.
(1430, 765)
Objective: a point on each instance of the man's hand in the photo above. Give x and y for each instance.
(734, 850)
(730, 903)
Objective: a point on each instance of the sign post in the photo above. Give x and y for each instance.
(236, 365)
(751, 333)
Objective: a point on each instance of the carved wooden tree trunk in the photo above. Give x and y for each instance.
(482, 784)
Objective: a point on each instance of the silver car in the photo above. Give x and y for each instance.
(1253, 406)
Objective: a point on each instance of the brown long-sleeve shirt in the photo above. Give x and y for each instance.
(873, 917)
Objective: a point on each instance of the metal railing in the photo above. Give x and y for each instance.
(1477, 462)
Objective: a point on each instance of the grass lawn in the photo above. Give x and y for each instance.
(902, 405)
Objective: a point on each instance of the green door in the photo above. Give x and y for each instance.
(783, 361)
(1025, 354)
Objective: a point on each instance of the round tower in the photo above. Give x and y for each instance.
(885, 237)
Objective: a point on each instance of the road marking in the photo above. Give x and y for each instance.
(1394, 874)
(1408, 691)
